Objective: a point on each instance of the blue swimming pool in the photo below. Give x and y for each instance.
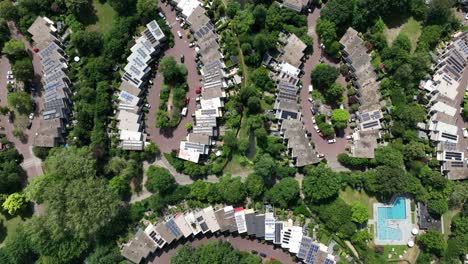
(397, 211)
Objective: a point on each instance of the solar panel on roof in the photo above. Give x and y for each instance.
(370, 124)
(365, 117)
(457, 164)
(449, 136)
(453, 155)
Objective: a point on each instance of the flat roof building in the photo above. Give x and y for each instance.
(138, 247)
(293, 51)
(183, 226)
(239, 216)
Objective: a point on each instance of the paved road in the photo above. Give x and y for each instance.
(31, 164)
(170, 140)
(330, 150)
(237, 242)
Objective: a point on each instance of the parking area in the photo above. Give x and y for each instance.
(237, 242)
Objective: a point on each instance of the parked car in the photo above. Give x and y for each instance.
(187, 100)
(148, 106)
(254, 252)
(312, 110)
(191, 44)
(311, 88)
(198, 91)
(184, 111)
(29, 124)
(331, 141)
(161, 15)
(36, 50)
(263, 255)
(182, 58)
(320, 155)
(313, 120)
(179, 34)
(317, 129)
(310, 99)
(350, 137)
(465, 132)
(31, 116)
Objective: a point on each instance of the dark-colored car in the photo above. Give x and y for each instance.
(254, 252)
(29, 124)
(182, 58)
(263, 255)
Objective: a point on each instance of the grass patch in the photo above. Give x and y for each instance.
(105, 15)
(8, 226)
(351, 196)
(447, 218)
(411, 28)
(317, 96)
(239, 165)
(398, 250)
(413, 217)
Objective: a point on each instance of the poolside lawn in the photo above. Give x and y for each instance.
(105, 16)
(447, 219)
(396, 252)
(411, 28)
(351, 196)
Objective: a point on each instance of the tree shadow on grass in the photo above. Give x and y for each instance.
(3, 231)
(88, 16)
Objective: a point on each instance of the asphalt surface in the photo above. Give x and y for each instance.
(321, 144)
(237, 242)
(169, 140)
(31, 164)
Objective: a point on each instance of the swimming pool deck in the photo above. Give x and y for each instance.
(403, 225)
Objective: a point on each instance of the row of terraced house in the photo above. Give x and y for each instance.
(364, 78)
(211, 101)
(244, 222)
(134, 83)
(56, 84)
(445, 93)
(286, 72)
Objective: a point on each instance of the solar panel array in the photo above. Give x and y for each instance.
(311, 254)
(449, 136)
(194, 146)
(457, 164)
(172, 227)
(370, 124)
(453, 155)
(278, 228)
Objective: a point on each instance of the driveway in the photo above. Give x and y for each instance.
(237, 242)
(321, 145)
(170, 140)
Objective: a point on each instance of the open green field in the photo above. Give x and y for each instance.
(236, 168)
(105, 15)
(395, 251)
(447, 219)
(411, 28)
(351, 196)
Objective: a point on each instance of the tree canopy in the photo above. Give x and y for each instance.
(320, 183)
(160, 180)
(284, 193)
(323, 76)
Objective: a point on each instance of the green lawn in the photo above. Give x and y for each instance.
(236, 168)
(351, 196)
(105, 15)
(8, 226)
(411, 28)
(447, 218)
(398, 250)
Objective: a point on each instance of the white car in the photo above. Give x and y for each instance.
(350, 137)
(313, 120)
(310, 99)
(184, 111)
(331, 141)
(10, 77)
(148, 106)
(311, 88)
(466, 16)
(317, 129)
(9, 72)
(465, 132)
(179, 34)
(320, 155)
(31, 116)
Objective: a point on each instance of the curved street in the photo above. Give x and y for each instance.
(168, 141)
(321, 144)
(31, 164)
(238, 242)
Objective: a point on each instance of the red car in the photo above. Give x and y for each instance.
(187, 100)
(198, 91)
(36, 50)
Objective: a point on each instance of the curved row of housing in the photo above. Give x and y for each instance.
(56, 84)
(134, 83)
(227, 220)
(211, 101)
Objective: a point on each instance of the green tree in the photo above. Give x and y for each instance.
(340, 12)
(265, 167)
(320, 183)
(231, 189)
(326, 30)
(14, 49)
(255, 186)
(284, 193)
(389, 156)
(160, 180)
(146, 10)
(162, 119)
(14, 203)
(334, 93)
(174, 74)
(323, 76)
(119, 185)
(18, 133)
(336, 215)
(340, 118)
(432, 242)
(232, 9)
(87, 42)
(21, 101)
(78, 7)
(230, 140)
(11, 173)
(23, 69)
(414, 151)
(104, 254)
(439, 12)
(200, 190)
(8, 10)
(254, 105)
(261, 79)
(360, 213)
(437, 206)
